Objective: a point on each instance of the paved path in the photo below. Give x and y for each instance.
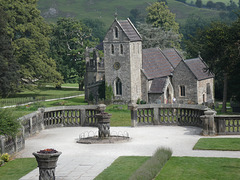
(86, 161)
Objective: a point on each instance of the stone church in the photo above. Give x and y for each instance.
(152, 75)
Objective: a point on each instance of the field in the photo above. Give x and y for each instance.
(105, 9)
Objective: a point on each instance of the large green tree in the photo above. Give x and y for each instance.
(160, 16)
(30, 40)
(69, 40)
(157, 37)
(219, 45)
(9, 76)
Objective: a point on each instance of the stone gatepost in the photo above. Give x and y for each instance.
(209, 126)
(133, 108)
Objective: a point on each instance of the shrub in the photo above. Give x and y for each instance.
(5, 157)
(9, 124)
(1, 162)
(152, 167)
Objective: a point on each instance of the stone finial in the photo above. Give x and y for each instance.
(115, 15)
(101, 107)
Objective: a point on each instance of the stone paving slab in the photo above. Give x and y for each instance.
(86, 161)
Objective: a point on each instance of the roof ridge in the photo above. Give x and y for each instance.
(134, 28)
(166, 58)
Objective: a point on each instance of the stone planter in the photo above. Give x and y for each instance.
(47, 162)
(103, 124)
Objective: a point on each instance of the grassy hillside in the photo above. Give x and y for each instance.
(105, 9)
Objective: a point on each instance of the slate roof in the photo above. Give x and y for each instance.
(197, 67)
(157, 85)
(155, 64)
(173, 56)
(130, 30)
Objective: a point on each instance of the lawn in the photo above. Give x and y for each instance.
(122, 168)
(39, 94)
(223, 144)
(121, 116)
(198, 168)
(17, 168)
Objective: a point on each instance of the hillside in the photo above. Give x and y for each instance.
(105, 9)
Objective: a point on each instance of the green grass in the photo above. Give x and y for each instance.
(121, 116)
(70, 85)
(199, 168)
(105, 9)
(223, 144)
(122, 168)
(17, 168)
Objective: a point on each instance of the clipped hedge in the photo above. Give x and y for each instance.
(152, 167)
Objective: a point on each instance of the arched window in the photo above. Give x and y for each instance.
(118, 87)
(116, 32)
(112, 49)
(121, 48)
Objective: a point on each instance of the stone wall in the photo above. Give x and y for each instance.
(129, 70)
(205, 94)
(182, 76)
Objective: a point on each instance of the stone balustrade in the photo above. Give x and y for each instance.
(148, 114)
(166, 114)
(84, 115)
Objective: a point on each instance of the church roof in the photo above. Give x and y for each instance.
(130, 30)
(173, 56)
(158, 85)
(198, 68)
(155, 64)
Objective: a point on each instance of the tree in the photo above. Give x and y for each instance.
(157, 37)
(69, 40)
(30, 41)
(97, 26)
(9, 76)
(219, 45)
(136, 16)
(193, 24)
(210, 5)
(199, 3)
(160, 16)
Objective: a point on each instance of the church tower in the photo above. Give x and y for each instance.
(123, 60)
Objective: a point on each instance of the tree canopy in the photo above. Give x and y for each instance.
(70, 38)
(9, 76)
(160, 16)
(157, 37)
(30, 40)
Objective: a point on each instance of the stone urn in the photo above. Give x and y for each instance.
(47, 162)
(103, 124)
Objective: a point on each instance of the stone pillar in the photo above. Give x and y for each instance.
(209, 126)
(2, 144)
(41, 118)
(103, 124)
(156, 116)
(47, 164)
(83, 116)
(133, 108)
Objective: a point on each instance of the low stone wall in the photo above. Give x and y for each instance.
(49, 118)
